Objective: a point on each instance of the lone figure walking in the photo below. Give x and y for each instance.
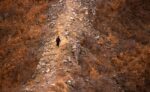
(58, 41)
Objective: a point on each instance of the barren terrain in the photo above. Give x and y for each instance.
(105, 46)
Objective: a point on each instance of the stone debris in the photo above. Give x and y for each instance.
(87, 80)
(53, 84)
(93, 11)
(60, 1)
(66, 33)
(47, 70)
(37, 81)
(27, 90)
(71, 18)
(42, 63)
(74, 13)
(76, 50)
(38, 67)
(69, 59)
(65, 61)
(69, 82)
(97, 37)
(47, 67)
(86, 12)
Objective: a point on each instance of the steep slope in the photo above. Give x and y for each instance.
(21, 36)
(72, 25)
(104, 46)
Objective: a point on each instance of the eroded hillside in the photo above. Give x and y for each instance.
(105, 46)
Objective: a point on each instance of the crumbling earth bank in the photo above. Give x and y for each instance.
(104, 46)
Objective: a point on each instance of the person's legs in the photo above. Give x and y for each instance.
(57, 44)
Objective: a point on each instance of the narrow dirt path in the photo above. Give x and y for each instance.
(70, 26)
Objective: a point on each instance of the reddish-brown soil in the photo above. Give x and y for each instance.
(105, 46)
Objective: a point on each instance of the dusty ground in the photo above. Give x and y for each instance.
(105, 46)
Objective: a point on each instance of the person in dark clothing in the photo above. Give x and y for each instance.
(58, 41)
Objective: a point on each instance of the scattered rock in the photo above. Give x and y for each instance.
(66, 33)
(80, 19)
(38, 67)
(93, 11)
(42, 63)
(65, 61)
(37, 81)
(97, 37)
(69, 82)
(71, 18)
(60, 1)
(74, 13)
(52, 84)
(47, 70)
(27, 90)
(69, 59)
(86, 12)
(87, 80)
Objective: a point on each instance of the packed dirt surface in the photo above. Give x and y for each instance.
(105, 46)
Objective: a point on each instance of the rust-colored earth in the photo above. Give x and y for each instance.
(105, 46)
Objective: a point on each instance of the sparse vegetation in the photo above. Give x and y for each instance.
(104, 47)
